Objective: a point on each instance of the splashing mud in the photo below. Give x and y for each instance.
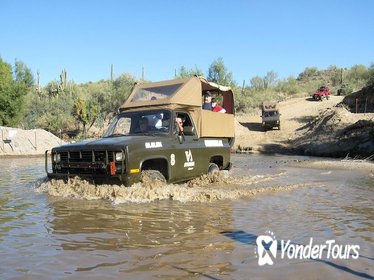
(207, 188)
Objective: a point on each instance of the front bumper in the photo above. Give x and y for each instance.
(88, 165)
(270, 124)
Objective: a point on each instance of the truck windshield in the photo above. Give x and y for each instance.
(155, 93)
(140, 123)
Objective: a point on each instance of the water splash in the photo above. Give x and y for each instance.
(207, 188)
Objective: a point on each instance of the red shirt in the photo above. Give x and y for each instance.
(217, 108)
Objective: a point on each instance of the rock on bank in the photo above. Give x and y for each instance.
(15, 141)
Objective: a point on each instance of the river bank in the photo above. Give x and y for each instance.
(311, 128)
(326, 128)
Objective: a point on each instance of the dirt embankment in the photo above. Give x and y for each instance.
(15, 141)
(319, 128)
(338, 133)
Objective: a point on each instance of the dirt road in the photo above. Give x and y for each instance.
(296, 114)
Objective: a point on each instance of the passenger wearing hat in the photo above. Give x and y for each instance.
(216, 107)
(207, 105)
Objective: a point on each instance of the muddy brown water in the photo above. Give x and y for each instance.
(206, 229)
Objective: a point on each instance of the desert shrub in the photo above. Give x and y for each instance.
(289, 87)
(52, 113)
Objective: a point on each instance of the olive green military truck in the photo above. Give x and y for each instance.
(161, 129)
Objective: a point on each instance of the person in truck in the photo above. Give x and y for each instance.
(143, 125)
(207, 101)
(216, 107)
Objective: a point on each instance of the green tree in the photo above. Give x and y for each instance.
(289, 86)
(23, 75)
(335, 74)
(50, 113)
(357, 76)
(308, 73)
(86, 112)
(270, 79)
(122, 87)
(184, 72)
(13, 89)
(257, 83)
(6, 87)
(371, 75)
(219, 74)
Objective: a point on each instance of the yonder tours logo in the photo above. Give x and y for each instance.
(268, 247)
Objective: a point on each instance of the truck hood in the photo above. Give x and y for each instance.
(110, 143)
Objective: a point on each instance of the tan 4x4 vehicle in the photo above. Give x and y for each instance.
(270, 115)
(145, 137)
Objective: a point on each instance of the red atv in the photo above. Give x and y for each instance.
(322, 92)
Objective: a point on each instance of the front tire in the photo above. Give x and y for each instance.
(213, 168)
(152, 175)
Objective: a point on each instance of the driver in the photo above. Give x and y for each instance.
(143, 125)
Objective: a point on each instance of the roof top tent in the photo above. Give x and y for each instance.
(187, 94)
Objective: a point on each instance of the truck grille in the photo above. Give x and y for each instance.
(89, 162)
(87, 156)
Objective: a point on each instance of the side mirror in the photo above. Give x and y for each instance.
(180, 138)
(188, 130)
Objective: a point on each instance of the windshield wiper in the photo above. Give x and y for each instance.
(145, 133)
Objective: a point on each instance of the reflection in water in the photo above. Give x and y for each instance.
(204, 229)
(132, 226)
(141, 238)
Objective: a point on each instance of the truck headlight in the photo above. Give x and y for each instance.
(119, 156)
(56, 157)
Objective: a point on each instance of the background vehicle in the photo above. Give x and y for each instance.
(321, 93)
(270, 115)
(160, 148)
(342, 90)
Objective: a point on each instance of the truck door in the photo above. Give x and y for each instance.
(186, 160)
